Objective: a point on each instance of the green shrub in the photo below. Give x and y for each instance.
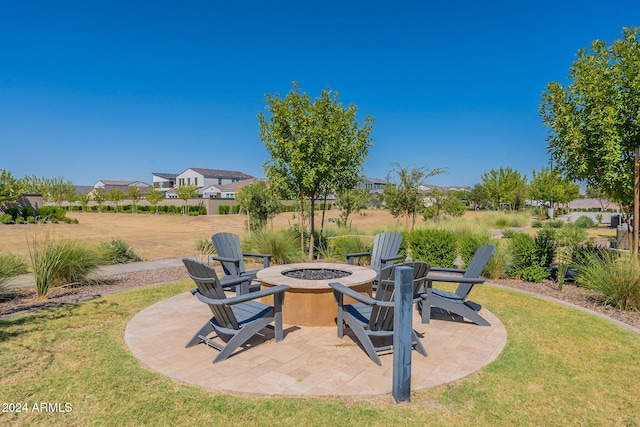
(437, 247)
(11, 265)
(20, 220)
(235, 209)
(536, 224)
(498, 264)
(614, 278)
(204, 247)
(508, 234)
(282, 244)
(62, 262)
(533, 273)
(558, 223)
(468, 244)
(6, 219)
(531, 256)
(339, 246)
(52, 213)
(585, 222)
(223, 209)
(117, 251)
(31, 219)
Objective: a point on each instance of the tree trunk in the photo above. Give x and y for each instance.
(312, 228)
(636, 205)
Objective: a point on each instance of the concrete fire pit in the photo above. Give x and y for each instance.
(310, 300)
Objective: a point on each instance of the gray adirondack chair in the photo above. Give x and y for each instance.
(457, 302)
(235, 319)
(230, 255)
(384, 253)
(373, 317)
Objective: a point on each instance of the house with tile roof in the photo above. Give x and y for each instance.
(209, 180)
(228, 191)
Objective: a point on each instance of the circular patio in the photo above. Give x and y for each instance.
(310, 361)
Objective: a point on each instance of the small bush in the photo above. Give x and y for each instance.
(533, 273)
(339, 246)
(204, 247)
(6, 219)
(468, 244)
(282, 244)
(117, 251)
(531, 256)
(20, 220)
(223, 209)
(498, 264)
(10, 266)
(615, 279)
(62, 262)
(437, 247)
(585, 222)
(31, 219)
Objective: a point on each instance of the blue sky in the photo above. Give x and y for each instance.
(118, 90)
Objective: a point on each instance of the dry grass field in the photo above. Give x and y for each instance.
(162, 236)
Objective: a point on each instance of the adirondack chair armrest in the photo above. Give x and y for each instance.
(223, 259)
(393, 258)
(266, 258)
(255, 295)
(453, 279)
(232, 281)
(339, 288)
(352, 257)
(449, 270)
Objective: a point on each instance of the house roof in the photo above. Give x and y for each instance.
(165, 175)
(113, 183)
(374, 180)
(235, 186)
(84, 189)
(219, 173)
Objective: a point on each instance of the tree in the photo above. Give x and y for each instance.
(11, 189)
(115, 195)
(99, 197)
(259, 202)
(478, 197)
(186, 192)
(594, 122)
(403, 197)
(154, 196)
(135, 195)
(596, 193)
(83, 199)
(314, 146)
(55, 190)
(439, 203)
(549, 185)
(505, 186)
(351, 201)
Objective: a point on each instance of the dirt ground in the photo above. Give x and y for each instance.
(161, 236)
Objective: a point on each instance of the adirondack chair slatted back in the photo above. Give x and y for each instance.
(476, 266)
(385, 245)
(382, 317)
(209, 286)
(228, 246)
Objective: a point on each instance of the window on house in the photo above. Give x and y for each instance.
(195, 180)
(219, 180)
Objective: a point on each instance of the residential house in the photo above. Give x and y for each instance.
(164, 181)
(124, 186)
(204, 179)
(227, 191)
(372, 185)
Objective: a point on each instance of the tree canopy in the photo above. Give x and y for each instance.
(548, 185)
(315, 146)
(505, 186)
(259, 202)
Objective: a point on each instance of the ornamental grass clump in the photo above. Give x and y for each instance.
(615, 278)
(282, 244)
(10, 265)
(117, 251)
(60, 262)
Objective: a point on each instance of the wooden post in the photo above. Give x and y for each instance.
(636, 205)
(402, 334)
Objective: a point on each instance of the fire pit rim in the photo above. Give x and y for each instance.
(272, 276)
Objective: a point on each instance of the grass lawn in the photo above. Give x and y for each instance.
(560, 367)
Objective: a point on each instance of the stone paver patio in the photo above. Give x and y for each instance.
(310, 361)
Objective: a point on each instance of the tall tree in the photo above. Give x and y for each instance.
(314, 146)
(548, 185)
(594, 122)
(83, 199)
(135, 195)
(98, 195)
(186, 192)
(11, 189)
(115, 196)
(351, 201)
(154, 196)
(505, 186)
(260, 202)
(402, 196)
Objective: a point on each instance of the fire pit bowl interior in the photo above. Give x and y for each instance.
(316, 273)
(310, 301)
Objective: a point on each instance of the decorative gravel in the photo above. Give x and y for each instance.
(316, 274)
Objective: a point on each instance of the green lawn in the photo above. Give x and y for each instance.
(560, 367)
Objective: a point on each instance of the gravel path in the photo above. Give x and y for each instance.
(23, 300)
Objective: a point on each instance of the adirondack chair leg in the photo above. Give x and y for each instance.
(277, 316)
(240, 338)
(425, 309)
(364, 339)
(418, 344)
(204, 331)
(340, 317)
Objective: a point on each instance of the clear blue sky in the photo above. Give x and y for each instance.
(120, 89)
